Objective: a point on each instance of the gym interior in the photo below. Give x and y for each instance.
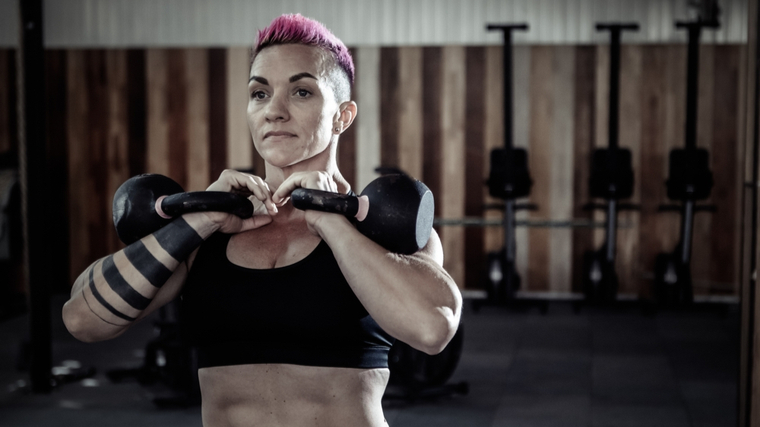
(593, 164)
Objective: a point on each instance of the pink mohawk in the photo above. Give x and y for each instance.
(297, 29)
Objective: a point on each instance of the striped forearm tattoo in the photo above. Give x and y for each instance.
(118, 284)
(152, 269)
(103, 302)
(177, 238)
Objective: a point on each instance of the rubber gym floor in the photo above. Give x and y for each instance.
(597, 367)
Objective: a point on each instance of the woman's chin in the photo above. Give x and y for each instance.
(281, 161)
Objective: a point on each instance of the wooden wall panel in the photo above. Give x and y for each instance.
(725, 144)
(475, 156)
(367, 124)
(116, 142)
(674, 127)
(583, 144)
(629, 136)
(562, 163)
(453, 154)
(176, 110)
(436, 112)
(653, 157)
(136, 105)
(410, 110)
(157, 112)
(432, 81)
(97, 93)
(390, 94)
(196, 61)
(239, 144)
(703, 222)
(217, 120)
(540, 156)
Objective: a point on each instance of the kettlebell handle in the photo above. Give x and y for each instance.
(325, 201)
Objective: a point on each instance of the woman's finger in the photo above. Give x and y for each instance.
(243, 183)
(314, 180)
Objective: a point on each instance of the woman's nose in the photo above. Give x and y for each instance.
(277, 109)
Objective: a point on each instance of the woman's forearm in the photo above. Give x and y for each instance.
(121, 288)
(410, 296)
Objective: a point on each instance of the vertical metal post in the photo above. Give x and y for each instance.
(508, 86)
(510, 245)
(614, 107)
(692, 85)
(32, 155)
(612, 129)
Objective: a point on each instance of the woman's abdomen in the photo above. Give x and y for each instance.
(292, 395)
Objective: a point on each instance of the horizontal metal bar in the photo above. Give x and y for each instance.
(539, 223)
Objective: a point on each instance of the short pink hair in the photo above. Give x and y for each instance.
(297, 29)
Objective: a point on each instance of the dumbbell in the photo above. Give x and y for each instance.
(145, 203)
(395, 211)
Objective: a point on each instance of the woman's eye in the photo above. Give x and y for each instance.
(258, 95)
(303, 93)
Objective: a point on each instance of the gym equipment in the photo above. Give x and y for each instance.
(508, 179)
(689, 180)
(416, 375)
(395, 211)
(611, 179)
(537, 223)
(147, 202)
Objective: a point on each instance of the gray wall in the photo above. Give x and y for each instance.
(144, 23)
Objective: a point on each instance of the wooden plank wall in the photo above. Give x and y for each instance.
(434, 112)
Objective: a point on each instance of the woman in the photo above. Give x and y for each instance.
(293, 311)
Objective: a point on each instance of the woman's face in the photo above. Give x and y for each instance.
(291, 106)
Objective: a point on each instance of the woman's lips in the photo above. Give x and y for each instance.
(278, 134)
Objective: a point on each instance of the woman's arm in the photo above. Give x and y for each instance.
(120, 289)
(410, 296)
(115, 292)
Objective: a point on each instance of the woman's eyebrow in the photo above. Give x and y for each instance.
(300, 76)
(292, 79)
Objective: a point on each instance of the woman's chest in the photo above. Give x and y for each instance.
(308, 298)
(271, 247)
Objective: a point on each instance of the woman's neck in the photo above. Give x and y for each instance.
(324, 162)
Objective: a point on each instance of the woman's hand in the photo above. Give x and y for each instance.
(316, 180)
(258, 193)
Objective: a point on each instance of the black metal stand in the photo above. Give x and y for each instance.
(690, 180)
(509, 179)
(611, 179)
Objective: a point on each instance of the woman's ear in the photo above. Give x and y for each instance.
(345, 116)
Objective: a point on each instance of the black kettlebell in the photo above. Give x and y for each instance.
(395, 211)
(145, 203)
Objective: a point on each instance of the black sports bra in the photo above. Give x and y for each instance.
(303, 314)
